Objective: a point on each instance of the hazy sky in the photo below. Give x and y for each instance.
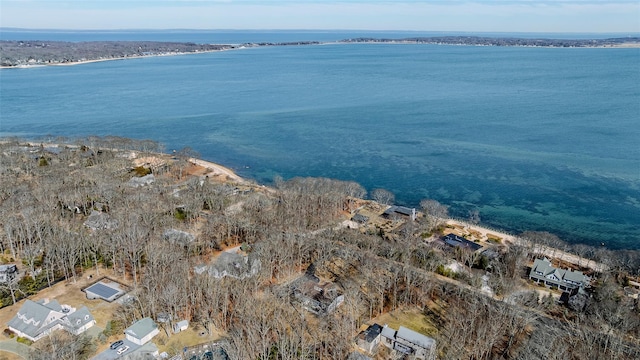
(439, 15)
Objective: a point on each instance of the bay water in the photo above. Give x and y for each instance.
(533, 138)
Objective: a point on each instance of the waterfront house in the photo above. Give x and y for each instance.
(399, 211)
(456, 241)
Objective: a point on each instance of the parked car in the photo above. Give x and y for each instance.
(123, 349)
(116, 344)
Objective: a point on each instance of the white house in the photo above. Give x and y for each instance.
(142, 331)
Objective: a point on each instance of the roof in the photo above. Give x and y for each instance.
(141, 328)
(544, 267)
(175, 236)
(454, 240)
(78, 318)
(371, 333)
(360, 218)
(388, 332)
(415, 338)
(400, 210)
(142, 181)
(234, 265)
(106, 292)
(8, 268)
(99, 220)
(182, 323)
(31, 317)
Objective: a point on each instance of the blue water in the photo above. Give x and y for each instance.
(533, 138)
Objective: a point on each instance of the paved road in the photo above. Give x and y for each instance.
(15, 347)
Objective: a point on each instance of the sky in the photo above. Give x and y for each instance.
(559, 16)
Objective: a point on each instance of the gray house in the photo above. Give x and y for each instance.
(8, 272)
(35, 320)
(234, 265)
(566, 280)
(78, 321)
(409, 344)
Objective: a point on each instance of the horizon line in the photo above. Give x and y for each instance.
(314, 30)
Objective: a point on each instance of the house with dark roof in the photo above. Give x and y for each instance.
(359, 218)
(142, 331)
(456, 241)
(408, 343)
(569, 280)
(369, 338)
(35, 320)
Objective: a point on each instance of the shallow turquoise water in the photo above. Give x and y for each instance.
(534, 138)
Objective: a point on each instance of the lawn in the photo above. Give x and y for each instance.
(411, 318)
(70, 293)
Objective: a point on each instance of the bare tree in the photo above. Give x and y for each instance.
(383, 196)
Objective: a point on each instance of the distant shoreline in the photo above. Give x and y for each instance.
(28, 54)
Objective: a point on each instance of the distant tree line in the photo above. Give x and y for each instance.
(502, 41)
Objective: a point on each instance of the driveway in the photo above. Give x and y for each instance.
(15, 347)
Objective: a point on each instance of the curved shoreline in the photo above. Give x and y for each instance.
(27, 54)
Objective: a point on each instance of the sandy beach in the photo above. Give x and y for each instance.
(219, 170)
(72, 63)
(543, 250)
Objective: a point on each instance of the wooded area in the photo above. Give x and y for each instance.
(48, 192)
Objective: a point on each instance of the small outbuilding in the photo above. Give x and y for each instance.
(180, 326)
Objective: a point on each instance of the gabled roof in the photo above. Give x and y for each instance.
(31, 317)
(388, 332)
(415, 338)
(78, 319)
(400, 210)
(544, 267)
(141, 328)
